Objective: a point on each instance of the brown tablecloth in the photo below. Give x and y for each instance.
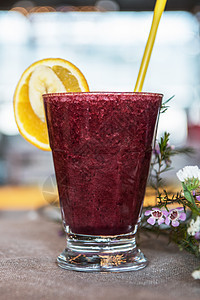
(30, 243)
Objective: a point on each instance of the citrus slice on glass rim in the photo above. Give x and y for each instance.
(50, 75)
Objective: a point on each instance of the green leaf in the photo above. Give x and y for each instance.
(164, 107)
(188, 194)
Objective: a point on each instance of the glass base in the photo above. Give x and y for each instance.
(89, 253)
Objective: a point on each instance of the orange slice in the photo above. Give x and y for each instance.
(47, 75)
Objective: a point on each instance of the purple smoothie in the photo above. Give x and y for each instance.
(101, 145)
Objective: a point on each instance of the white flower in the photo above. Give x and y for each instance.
(188, 172)
(194, 226)
(196, 274)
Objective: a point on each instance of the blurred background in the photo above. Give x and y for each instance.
(106, 40)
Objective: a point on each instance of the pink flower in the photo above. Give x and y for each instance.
(197, 235)
(156, 214)
(156, 149)
(198, 198)
(174, 216)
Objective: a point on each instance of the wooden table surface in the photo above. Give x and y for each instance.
(30, 243)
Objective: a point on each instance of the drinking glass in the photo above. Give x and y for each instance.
(101, 145)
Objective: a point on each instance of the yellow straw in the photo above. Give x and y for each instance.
(158, 10)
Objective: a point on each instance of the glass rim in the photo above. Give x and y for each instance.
(102, 93)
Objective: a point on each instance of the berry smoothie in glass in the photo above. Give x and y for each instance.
(101, 144)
